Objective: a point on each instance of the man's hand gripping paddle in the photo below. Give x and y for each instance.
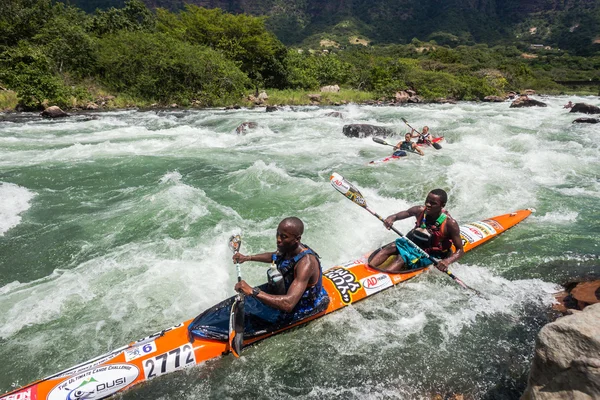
(436, 146)
(352, 193)
(236, 317)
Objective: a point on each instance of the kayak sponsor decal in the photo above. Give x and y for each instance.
(27, 394)
(376, 283)
(97, 383)
(140, 351)
(352, 263)
(87, 367)
(181, 357)
(493, 223)
(345, 282)
(156, 335)
(485, 228)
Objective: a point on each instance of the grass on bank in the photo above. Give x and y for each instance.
(300, 97)
(8, 100)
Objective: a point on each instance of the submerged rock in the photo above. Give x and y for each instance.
(585, 108)
(53, 112)
(586, 120)
(525, 102)
(364, 130)
(246, 126)
(566, 364)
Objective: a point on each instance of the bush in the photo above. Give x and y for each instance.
(157, 66)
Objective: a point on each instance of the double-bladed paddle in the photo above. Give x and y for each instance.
(236, 317)
(381, 141)
(436, 146)
(352, 193)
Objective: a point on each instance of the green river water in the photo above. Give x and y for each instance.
(115, 225)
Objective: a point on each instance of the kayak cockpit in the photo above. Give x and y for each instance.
(259, 320)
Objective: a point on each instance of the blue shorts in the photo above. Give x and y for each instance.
(400, 153)
(413, 258)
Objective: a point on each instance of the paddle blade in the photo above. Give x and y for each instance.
(404, 120)
(236, 326)
(436, 146)
(235, 242)
(347, 189)
(380, 141)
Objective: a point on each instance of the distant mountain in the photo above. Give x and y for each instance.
(452, 22)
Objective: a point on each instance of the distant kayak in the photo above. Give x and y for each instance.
(192, 342)
(387, 159)
(434, 140)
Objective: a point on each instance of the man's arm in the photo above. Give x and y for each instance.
(454, 233)
(418, 150)
(411, 212)
(286, 302)
(263, 257)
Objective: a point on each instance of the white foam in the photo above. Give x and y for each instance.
(14, 200)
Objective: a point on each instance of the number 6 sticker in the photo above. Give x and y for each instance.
(140, 351)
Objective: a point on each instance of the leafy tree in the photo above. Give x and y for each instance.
(28, 70)
(22, 19)
(240, 37)
(157, 66)
(135, 16)
(66, 42)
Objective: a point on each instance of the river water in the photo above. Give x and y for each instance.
(114, 225)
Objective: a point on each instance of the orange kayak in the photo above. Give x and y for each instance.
(175, 348)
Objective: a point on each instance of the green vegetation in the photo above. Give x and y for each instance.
(56, 54)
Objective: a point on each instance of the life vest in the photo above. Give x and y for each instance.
(424, 138)
(313, 294)
(431, 238)
(406, 145)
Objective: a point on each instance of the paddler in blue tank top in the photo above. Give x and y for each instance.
(300, 267)
(407, 145)
(435, 232)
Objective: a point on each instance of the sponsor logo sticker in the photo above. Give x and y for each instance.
(376, 283)
(345, 282)
(97, 383)
(485, 228)
(27, 394)
(493, 223)
(139, 351)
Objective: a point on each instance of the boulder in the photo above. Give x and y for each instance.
(53, 112)
(494, 99)
(335, 114)
(415, 99)
(245, 126)
(262, 97)
(331, 88)
(586, 120)
(402, 96)
(272, 109)
(364, 130)
(585, 108)
(566, 363)
(314, 97)
(525, 102)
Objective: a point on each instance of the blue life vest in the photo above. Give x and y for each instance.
(314, 297)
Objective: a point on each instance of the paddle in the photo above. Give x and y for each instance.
(381, 141)
(436, 146)
(352, 193)
(236, 317)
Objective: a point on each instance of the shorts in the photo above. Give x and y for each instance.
(413, 257)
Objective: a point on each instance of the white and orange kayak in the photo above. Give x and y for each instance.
(177, 348)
